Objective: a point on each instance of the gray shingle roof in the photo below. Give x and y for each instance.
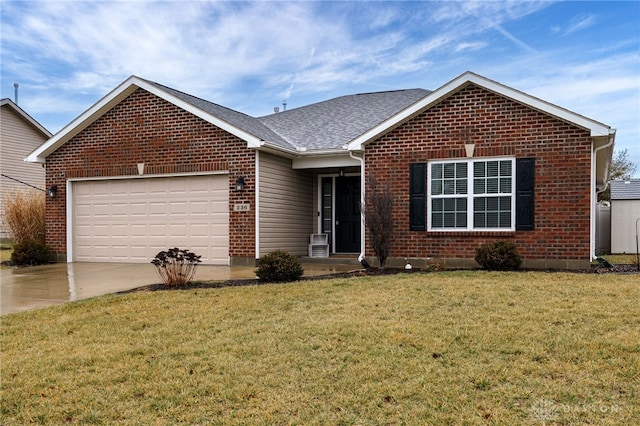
(333, 123)
(241, 121)
(324, 125)
(625, 190)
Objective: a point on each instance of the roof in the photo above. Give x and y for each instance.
(26, 117)
(241, 121)
(625, 189)
(596, 128)
(328, 125)
(335, 126)
(334, 123)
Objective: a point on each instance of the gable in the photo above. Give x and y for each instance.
(8, 106)
(145, 128)
(227, 120)
(595, 128)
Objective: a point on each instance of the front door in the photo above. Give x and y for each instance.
(347, 226)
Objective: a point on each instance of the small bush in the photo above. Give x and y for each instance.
(30, 252)
(499, 256)
(176, 267)
(279, 266)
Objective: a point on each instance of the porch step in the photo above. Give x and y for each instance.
(318, 245)
(341, 259)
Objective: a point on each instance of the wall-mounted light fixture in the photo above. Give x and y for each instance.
(52, 190)
(341, 172)
(240, 183)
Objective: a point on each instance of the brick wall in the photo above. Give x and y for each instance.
(497, 126)
(169, 140)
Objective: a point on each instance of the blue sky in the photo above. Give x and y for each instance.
(250, 56)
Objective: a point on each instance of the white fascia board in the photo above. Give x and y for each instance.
(596, 128)
(39, 127)
(323, 161)
(114, 97)
(84, 120)
(252, 141)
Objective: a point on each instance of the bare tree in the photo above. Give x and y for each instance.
(377, 210)
(622, 168)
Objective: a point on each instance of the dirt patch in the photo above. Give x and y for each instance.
(245, 282)
(598, 269)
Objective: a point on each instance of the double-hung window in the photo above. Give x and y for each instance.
(474, 194)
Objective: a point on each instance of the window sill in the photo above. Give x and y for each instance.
(463, 234)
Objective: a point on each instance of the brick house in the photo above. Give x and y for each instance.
(148, 167)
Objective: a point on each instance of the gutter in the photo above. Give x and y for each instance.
(594, 160)
(595, 157)
(362, 188)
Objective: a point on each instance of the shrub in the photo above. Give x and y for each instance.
(176, 267)
(30, 252)
(379, 220)
(24, 216)
(499, 256)
(279, 266)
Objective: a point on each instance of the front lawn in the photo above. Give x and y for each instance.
(465, 347)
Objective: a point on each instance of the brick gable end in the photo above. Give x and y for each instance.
(498, 127)
(170, 141)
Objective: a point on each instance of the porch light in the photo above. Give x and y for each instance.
(240, 183)
(52, 190)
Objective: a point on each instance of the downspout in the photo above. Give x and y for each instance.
(362, 188)
(595, 190)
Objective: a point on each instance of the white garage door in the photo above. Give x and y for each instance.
(131, 220)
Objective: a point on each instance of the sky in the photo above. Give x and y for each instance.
(253, 56)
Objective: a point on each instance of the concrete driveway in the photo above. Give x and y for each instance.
(47, 285)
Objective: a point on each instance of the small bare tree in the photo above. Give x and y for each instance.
(377, 210)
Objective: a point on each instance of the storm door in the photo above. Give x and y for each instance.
(347, 214)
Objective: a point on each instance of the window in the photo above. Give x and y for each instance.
(471, 195)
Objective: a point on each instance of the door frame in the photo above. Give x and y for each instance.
(320, 218)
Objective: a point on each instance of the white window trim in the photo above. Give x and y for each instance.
(470, 196)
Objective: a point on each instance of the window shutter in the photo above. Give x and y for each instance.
(525, 203)
(417, 196)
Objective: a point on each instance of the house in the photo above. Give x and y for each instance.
(148, 167)
(625, 215)
(19, 135)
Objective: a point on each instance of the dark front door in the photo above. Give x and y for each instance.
(348, 214)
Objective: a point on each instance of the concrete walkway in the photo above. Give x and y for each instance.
(41, 286)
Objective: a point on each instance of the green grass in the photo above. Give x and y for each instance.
(5, 250)
(441, 348)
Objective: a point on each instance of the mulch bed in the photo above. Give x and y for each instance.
(598, 269)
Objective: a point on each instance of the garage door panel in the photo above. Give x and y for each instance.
(133, 219)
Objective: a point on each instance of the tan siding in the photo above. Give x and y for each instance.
(286, 206)
(17, 140)
(624, 214)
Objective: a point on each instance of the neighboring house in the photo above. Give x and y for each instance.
(19, 135)
(148, 167)
(625, 215)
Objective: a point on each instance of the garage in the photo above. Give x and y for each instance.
(131, 220)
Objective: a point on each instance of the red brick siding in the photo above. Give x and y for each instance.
(498, 126)
(169, 140)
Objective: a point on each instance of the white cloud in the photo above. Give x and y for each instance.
(580, 23)
(251, 56)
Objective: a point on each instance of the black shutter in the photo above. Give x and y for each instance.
(525, 203)
(417, 196)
